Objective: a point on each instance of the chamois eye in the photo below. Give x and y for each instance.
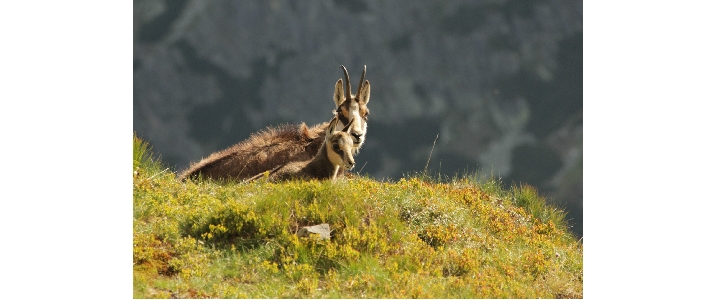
(336, 148)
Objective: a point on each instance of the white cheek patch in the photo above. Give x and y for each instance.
(359, 127)
(348, 152)
(359, 124)
(335, 158)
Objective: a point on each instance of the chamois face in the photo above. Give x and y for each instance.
(353, 108)
(339, 145)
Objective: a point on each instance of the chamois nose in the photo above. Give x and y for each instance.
(350, 163)
(357, 136)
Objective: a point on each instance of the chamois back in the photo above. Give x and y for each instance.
(264, 150)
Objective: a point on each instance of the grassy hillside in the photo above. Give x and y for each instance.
(418, 237)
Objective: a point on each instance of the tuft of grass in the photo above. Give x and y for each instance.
(422, 236)
(144, 160)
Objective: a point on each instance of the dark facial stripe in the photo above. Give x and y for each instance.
(342, 117)
(338, 150)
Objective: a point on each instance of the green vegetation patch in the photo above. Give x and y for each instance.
(418, 237)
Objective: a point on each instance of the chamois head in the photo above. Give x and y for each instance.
(339, 145)
(353, 108)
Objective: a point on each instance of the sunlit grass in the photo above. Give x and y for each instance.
(463, 237)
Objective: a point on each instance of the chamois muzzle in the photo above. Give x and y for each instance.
(356, 137)
(349, 164)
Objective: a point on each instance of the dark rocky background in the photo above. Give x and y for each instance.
(500, 82)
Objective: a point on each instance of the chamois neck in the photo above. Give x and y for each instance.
(320, 166)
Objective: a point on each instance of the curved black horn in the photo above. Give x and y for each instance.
(361, 82)
(348, 90)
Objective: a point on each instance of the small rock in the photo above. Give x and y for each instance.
(322, 230)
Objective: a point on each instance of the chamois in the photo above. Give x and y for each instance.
(277, 146)
(336, 152)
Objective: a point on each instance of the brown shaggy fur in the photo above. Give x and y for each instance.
(264, 150)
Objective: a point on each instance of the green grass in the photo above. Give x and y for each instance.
(420, 237)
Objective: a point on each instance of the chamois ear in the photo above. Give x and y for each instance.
(346, 128)
(330, 129)
(363, 96)
(339, 92)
